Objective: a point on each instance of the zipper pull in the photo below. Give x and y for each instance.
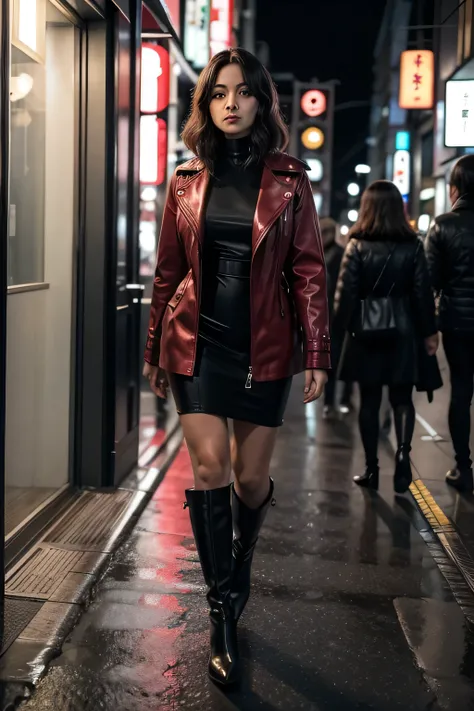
(248, 384)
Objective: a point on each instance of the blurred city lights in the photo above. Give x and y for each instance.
(353, 189)
(318, 201)
(424, 222)
(353, 215)
(312, 138)
(316, 172)
(427, 194)
(313, 102)
(148, 194)
(344, 230)
(363, 169)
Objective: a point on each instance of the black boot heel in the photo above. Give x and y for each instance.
(247, 525)
(368, 480)
(403, 476)
(211, 519)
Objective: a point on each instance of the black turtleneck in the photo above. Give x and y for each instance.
(225, 304)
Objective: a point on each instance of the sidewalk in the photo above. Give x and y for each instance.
(432, 457)
(349, 610)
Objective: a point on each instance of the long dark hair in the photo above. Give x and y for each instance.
(382, 215)
(269, 132)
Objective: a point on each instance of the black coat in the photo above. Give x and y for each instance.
(450, 254)
(333, 254)
(406, 275)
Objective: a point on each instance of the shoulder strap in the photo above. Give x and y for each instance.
(383, 271)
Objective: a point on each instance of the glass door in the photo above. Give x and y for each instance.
(41, 257)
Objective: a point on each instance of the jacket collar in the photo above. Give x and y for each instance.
(280, 177)
(465, 202)
(277, 162)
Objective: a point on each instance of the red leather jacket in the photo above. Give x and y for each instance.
(289, 312)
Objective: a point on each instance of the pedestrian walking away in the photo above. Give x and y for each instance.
(333, 256)
(239, 306)
(450, 254)
(385, 303)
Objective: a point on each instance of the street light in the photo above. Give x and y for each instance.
(353, 215)
(363, 169)
(344, 230)
(353, 189)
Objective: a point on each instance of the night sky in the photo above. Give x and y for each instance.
(328, 39)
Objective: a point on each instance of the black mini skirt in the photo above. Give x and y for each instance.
(218, 387)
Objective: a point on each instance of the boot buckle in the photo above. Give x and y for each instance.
(273, 502)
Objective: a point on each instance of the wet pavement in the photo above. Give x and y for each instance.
(433, 457)
(349, 609)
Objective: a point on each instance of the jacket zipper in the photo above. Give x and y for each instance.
(248, 384)
(285, 219)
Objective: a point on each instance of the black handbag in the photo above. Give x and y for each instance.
(377, 314)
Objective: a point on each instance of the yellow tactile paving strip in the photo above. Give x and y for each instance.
(429, 508)
(445, 531)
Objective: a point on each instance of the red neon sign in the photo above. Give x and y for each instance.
(155, 86)
(222, 20)
(153, 150)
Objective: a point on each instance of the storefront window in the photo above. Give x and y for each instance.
(28, 142)
(43, 169)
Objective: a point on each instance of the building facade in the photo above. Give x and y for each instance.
(445, 29)
(92, 98)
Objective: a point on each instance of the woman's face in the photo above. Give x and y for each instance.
(232, 108)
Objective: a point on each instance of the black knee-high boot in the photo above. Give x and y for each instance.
(211, 519)
(404, 418)
(247, 525)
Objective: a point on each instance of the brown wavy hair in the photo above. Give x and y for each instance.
(382, 215)
(269, 132)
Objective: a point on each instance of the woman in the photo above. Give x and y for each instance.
(240, 281)
(384, 301)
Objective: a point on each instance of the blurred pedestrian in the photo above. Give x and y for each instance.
(239, 306)
(333, 256)
(450, 253)
(384, 300)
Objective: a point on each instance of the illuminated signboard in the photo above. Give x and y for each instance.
(401, 171)
(222, 15)
(313, 102)
(196, 32)
(459, 119)
(155, 86)
(416, 79)
(153, 150)
(312, 138)
(402, 141)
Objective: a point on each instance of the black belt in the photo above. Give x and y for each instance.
(233, 267)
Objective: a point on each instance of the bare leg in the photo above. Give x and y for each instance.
(252, 450)
(207, 439)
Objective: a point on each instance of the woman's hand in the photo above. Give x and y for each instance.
(431, 344)
(157, 379)
(314, 383)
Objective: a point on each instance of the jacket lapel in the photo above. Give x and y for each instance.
(277, 189)
(276, 192)
(191, 195)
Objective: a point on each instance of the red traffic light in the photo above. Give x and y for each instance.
(313, 102)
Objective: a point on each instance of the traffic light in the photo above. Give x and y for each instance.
(312, 136)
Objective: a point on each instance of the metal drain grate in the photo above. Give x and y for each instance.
(41, 572)
(18, 614)
(91, 520)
